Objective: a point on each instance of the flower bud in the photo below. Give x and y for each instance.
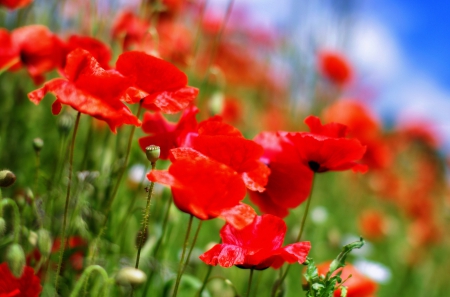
(15, 257)
(152, 152)
(38, 144)
(32, 238)
(216, 103)
(65, 123)
(7, 178)
(2, 227)
(44, 242)
(130, 276)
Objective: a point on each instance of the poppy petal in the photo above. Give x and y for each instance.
(239, 216)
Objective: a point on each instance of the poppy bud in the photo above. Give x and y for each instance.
(65, 123)
(152, 152)
(130, 276)
(216, 103)
(38, 143)
(32, 238)
(2, 227)
(7, 178)
(15, 257)
(44, 242)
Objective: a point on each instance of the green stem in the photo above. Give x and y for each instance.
(36, 178)
(85, 276)
(66, 207)
(129, 211)
(197, 33)
(299, 237)
(205, 281)
(180, 267)
(249, 283)
(158, 244)
(192, 246)
(145, 221)
(216, 45)
(116, 187)
(11, 203)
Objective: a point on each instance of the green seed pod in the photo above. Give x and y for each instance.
(129, 276)
(2, 227)
(7, 178)
(216, 103)
(65, 123)
(44, 242)
(38, 144)
(152, 152)
(15, 257)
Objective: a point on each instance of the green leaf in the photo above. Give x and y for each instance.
(340, 260)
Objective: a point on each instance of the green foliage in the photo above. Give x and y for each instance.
(324, 286)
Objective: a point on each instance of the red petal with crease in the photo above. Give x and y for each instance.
(239, 216)
(151, 74)
(114, 113)
(203, 187)
(100, 51)
(171, 101)
(256, 246)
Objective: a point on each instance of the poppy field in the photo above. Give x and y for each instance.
(157, 149)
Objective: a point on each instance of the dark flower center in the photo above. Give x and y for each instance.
(314, 166)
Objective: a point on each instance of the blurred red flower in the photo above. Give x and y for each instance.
(161, 85)
(28, 285)
(256, 246)
(202, 186)
(75, 247)
(165, 134)
(174, 41)
(14, 4)
(365, 127)
(130, 28)
(35, 47)
(225, 144)
(335, 67)
(373, 224)
(89, 89)
(358, 285)
(325, 148)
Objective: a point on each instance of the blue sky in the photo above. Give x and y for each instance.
(422, 30)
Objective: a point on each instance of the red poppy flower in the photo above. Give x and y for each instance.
(335, 67)
(256, 246)
(326, 148)
(225, 144)
(200, 185)
(28, 285)
(14, 4)
(8, 52)
(289, 181)
(130, 28)
(357, 285)
(160, 84)
(164, 134)
(91, 90)
(34, 47)
(100, 51)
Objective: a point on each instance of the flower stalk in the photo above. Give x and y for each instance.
(66, 206)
